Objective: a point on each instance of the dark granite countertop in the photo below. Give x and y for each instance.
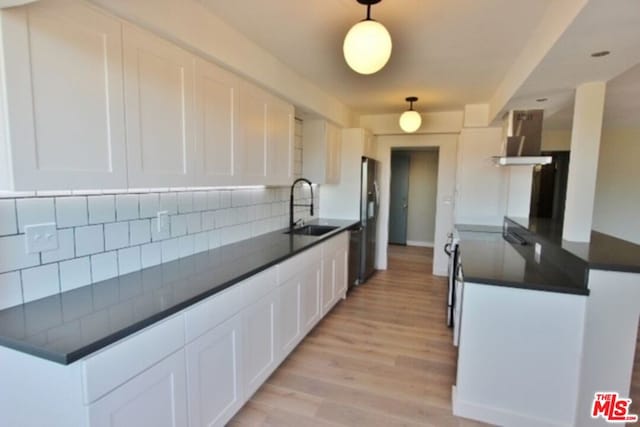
(66, 327)
(603, 252)
(487, 258)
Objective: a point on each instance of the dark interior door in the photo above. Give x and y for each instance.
(398, 201)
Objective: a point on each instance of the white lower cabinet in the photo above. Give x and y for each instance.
(214, 374)
(155, 398)
(328, 281)
(310, 311)
(341, 259)
(260, 342)
(288, 317)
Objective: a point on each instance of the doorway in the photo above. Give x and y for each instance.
(412, 196)
(549, 187)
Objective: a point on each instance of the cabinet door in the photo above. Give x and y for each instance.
(310, 290)
(159, 111)
(157, 397)
(328, 281)
(216, 130)
(341, 272)
(280, 141)
(253, 127)
(64, 97)
(289, 316)
(214, 369)
(260, 342)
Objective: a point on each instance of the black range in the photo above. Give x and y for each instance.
(66, 327)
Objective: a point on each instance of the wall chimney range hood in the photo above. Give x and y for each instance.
(522, 139)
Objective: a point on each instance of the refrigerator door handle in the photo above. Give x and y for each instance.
(375, 188)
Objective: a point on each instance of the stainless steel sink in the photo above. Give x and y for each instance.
(312, 230)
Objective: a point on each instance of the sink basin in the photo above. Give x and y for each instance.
(312, 230)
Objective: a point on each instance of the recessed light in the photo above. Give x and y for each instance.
(600, 54)
(542, 99)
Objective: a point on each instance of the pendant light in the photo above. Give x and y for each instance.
(367, 45)
(410, 120)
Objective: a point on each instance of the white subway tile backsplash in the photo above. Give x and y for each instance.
(185, 202)
(149, 205)
(178, 225)
(151, 254)
(208, 220)
(10, 290)
(13, 254)
(40, 282)
(201, 242)
(104, 266)
(213, 200)
(8, 221)
(71, 212)
(66, 247)
(129, 260)
(169, 203)
(89, 240)
(186, 245)
(116, 235)
(75, 273)
(35, 211)
(170, 250)
(194, 223)
(140, 231)
(101, 209)
(127, 207)
(124, 224)
(200, 201)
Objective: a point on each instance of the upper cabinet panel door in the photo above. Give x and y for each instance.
(280, 141)
(63, 85)
(253, 116)
(216, 125)
(159, 111)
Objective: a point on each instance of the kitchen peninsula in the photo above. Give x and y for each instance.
(538, 324)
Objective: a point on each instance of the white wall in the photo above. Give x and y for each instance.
(423, 185)
(481, 187)
(447, 145)
(617, 199)
(387, 124)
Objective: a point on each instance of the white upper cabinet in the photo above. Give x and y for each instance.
(252, 158)
(63, 94)
(280, 142)
(216, 110)
(321, 151)
(159, 110)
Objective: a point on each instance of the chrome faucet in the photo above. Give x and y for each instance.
(293, 223)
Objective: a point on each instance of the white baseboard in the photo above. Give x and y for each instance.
(419, 243)
(498, 416)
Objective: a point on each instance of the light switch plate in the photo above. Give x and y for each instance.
(41, 237)
(537, 252)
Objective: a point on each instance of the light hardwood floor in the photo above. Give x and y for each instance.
(382, 357)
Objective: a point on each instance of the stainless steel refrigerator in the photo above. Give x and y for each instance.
(363, 239)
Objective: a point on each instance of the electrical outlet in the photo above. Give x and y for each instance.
(163, 222)
(41, 237)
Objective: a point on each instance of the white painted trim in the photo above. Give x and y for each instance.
(419, 243)
(496, 416)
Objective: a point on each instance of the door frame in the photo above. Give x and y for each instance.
(447, 143)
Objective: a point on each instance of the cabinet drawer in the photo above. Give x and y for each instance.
(334, 244)
(119, 362)
(260, 285)
(298, 263)
(214, 310)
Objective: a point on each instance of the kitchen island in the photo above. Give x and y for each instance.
(538, 325)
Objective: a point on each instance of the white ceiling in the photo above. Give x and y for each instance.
(447, 52)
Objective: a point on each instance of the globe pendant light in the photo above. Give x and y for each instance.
(410, 120)
(367, 45)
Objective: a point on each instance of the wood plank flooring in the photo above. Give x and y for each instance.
(382, 357)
